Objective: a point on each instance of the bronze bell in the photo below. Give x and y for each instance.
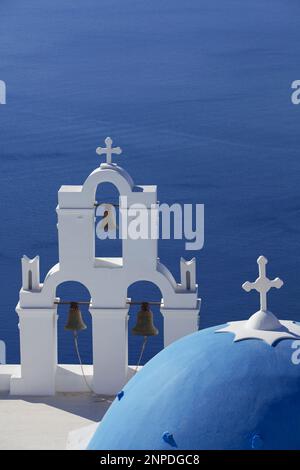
(144, 323)
(75, 321)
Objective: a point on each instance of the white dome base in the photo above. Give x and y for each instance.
(253, 328)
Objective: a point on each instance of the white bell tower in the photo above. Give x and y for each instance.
(107, 280)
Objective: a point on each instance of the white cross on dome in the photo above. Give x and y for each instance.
(263, 325)
(262, 284)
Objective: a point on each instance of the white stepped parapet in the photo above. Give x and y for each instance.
(31, 273)
(188, 274)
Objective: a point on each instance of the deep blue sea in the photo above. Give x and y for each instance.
(198, 95)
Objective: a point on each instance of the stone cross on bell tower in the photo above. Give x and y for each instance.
(108, 150)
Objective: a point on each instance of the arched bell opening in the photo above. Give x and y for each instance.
(144, 291)
(108, 242)
(73, 291)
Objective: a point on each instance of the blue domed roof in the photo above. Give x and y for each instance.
(207, 392)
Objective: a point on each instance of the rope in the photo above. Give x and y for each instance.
(141, 355)
(81, 365)
(80, 361)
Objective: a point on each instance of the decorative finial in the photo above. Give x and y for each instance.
(108, 150)
(262, 284)
(263, 325)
